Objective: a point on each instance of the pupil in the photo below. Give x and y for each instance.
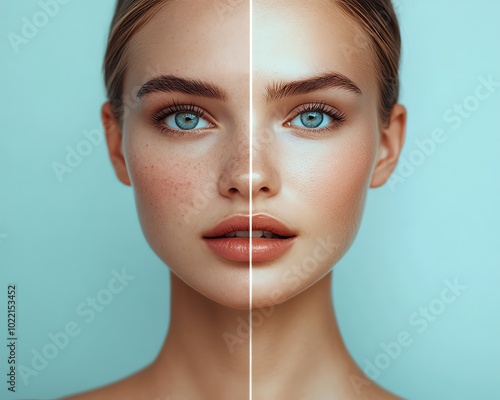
(312, 119)
(186, 121)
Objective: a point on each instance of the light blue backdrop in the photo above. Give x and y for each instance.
(63, 238)
(439, 220)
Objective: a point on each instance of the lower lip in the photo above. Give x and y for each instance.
(238, 249)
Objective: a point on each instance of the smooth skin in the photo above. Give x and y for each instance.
(313, 181)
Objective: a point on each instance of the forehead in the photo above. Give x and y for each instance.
(192, 39)
(293, 38)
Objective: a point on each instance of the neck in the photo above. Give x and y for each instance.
(296, 348)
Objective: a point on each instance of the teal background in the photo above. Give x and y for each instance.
(61, 241)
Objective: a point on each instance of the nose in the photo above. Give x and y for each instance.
(266, 181)
(238, 180)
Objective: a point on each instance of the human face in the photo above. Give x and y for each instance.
(311, 174)
(190, 171)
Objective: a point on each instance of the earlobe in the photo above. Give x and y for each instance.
(390, 146)
(114, 137)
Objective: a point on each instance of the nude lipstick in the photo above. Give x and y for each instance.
(230, 239)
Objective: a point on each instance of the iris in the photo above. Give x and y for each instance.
(312, 119)
(186, 121)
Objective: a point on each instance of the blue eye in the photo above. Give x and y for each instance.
(186, 121)
(312, 119)
(316, 117)
(181, 119)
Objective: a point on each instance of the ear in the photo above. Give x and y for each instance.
(390, 146)
(114, 136)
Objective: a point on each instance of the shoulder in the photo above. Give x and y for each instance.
(135, 387)
(115, 391)
(367, 389)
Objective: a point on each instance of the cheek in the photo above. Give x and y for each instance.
(335, 183)
(166, 185)
(160, 187)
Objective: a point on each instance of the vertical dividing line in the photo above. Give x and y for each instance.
(250, 197)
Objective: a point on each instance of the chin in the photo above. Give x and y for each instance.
(264, 296)
(226, 285)
(236, 299)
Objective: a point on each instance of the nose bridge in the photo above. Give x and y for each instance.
(235, 159)
(265, 177)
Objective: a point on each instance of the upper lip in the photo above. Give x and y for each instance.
(260, 222)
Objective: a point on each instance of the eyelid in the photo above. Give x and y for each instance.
(318, 107)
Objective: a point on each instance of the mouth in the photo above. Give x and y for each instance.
(263, 226)
(230, 239)
(246, 234)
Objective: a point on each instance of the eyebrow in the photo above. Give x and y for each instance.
(171, 83)
(279, 90)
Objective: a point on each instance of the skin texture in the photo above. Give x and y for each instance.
(316, 183)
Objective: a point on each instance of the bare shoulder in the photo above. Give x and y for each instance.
(135, 387)
(367, 389)
(120, 390)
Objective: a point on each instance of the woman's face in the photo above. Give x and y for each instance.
(315, 138)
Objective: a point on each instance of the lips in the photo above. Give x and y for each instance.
(241, 223)
(230, 238)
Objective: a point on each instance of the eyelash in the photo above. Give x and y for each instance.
(158, 118)
(337, 116)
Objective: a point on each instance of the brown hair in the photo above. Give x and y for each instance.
(378, 20)
(129, 17)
